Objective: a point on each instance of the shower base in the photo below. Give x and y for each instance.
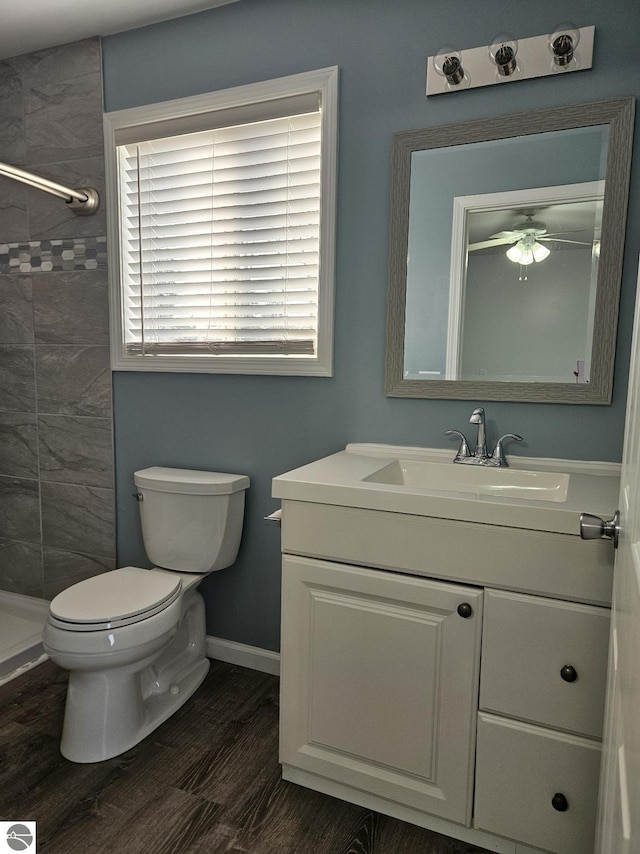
(22, 619)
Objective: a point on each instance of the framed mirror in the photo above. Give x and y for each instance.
(505, 256)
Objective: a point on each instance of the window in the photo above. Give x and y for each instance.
(223, 206)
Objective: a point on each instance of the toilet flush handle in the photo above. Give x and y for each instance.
(138, 496)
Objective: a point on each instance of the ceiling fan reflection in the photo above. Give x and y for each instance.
(527, 239)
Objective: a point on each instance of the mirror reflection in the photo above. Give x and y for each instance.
(538, 267)
(508, 179)
(506, 250)
(533, 259)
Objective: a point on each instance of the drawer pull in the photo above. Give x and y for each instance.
(569, 673)
(465, 610)
(559, 802)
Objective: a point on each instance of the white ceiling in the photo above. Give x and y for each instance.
(29, 25)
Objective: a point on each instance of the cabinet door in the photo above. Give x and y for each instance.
(379, 676)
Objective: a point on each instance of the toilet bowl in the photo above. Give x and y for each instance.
(133, 639)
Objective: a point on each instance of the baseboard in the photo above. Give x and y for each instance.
(252, 657)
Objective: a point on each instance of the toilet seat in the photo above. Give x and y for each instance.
(113, 599)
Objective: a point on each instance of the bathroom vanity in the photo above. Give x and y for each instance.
(444, 642)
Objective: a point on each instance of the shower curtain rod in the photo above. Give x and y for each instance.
(83, 201)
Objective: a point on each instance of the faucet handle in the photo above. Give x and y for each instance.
(498, 456)
(463, 450)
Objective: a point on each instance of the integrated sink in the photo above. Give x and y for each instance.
(498, 482)
(532, 494)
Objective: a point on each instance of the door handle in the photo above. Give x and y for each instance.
(595, 528)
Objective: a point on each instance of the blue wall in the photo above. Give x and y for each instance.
(263, 426)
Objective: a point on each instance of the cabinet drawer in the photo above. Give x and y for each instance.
(527, 642)
(520, 768)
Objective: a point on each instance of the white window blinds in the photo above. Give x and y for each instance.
(219, 240)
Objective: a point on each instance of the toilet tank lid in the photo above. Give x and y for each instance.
(190, 481)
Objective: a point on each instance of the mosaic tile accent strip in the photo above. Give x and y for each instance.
(46, 256)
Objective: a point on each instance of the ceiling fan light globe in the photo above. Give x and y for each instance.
(540, 252)
(513, 253)
(520, 254)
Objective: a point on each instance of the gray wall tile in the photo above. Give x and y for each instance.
(12, 138)
(73, 380)
(19, 509)
(63, 119)
(17, 378)
(16, 309)
(21, 567)
(62, 92)
(14, 219)
(50, 217)
(61, 569)
(60, 63)
(18, 444)
(75, 450)
(78, 519)
(71, 308)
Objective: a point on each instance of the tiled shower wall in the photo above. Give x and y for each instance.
(56, 458)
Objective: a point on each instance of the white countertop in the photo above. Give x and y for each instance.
(340, 479)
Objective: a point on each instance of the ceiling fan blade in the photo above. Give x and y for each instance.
(485, 244)
(516, 235)
(560, 240)
(567, 231)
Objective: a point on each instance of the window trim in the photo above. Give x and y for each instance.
(323, 81)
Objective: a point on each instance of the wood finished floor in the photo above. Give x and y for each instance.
(207, 781)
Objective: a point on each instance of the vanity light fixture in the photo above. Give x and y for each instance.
(508, 59)
(563, 42)
(503, 53)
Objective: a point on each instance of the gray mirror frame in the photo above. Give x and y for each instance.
(619, 115)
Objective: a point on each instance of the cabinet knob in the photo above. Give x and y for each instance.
(568, 673)
(559, 802)
(465, 610)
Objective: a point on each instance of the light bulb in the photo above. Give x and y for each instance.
(503, 52)
(448, 64)
(563, 42)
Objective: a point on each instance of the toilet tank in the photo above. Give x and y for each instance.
(191, 520)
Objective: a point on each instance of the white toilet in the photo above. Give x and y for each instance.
(134, 639)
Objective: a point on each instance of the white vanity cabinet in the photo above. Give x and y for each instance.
(482, 722)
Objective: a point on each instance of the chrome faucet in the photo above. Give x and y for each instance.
(477, 417)
(480, 457)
